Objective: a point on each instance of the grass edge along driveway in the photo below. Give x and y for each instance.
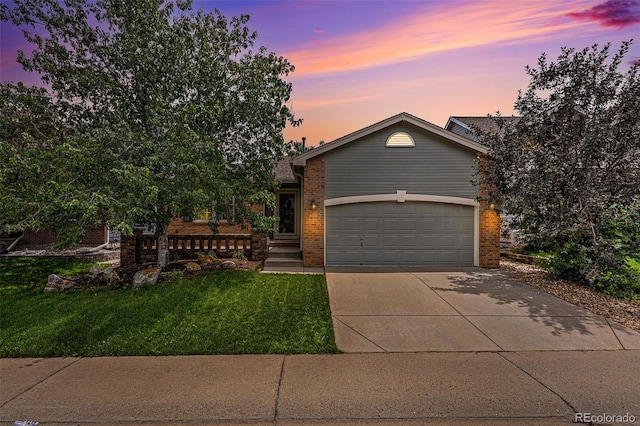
(226, 312)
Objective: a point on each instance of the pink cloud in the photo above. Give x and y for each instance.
(612, 13)
(434, 29)
(318, 31)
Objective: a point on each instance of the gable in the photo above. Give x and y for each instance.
(301, 160)
(435, 165)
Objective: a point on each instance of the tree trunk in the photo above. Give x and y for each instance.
(162, 244)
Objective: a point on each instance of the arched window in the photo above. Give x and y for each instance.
(400, 139)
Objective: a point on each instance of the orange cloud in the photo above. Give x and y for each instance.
(433, 30)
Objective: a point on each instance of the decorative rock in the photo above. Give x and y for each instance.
(228, 264)
(94, 272)
(109, 275)
(56, 283)
(192, 267)
(205, 258)
(146, 276)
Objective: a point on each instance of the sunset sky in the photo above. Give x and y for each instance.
(358, 62)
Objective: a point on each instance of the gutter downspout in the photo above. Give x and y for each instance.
(13, 244)
(101, 246)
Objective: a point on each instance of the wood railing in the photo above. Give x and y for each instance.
(142, 248)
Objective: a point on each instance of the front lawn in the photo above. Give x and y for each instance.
(230, 312)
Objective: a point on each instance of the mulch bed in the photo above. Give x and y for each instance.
(622, 311)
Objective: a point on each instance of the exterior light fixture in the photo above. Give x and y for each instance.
(313, 205)
(492, 206)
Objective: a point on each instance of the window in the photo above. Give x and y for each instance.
(204, 214)
(400, 139)
(207, 215)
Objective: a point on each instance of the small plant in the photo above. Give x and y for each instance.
(238, 254)
(171, 275)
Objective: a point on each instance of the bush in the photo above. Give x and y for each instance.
(571, 263)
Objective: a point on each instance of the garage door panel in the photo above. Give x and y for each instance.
(447, 240)
(447, 224)
(371, 224)
(447, 257)
(428, 225)
(466, 257)
(390, 233)
(389, 257)
(390, 224)
(351, 240)
(370, 241)
(351, 224)
(409, 224)
(429, 241)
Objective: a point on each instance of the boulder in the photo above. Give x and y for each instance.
(103, 276)
(205, 259)
(192, 267)
(146, 276)
(56, 283)
(228, 264)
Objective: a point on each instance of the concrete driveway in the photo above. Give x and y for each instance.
(468, 310)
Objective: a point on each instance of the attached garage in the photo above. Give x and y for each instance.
(400, 234)
(401, 192)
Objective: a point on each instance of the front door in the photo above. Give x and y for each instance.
(287, 214)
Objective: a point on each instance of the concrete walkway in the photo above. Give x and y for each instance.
(467, 310)
(454, 348)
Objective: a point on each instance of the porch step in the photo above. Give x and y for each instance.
(282, 262)
(285, 252)
(284, 243)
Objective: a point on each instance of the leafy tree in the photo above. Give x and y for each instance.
(171, 110)
(572, 159)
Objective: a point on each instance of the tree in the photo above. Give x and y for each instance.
(38, 188)
(572, 158)
(185, 113)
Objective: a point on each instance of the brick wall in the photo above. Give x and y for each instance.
(313, 220)
(489, 230)
(180, 227)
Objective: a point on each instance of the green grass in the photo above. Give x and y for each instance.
(230, 312)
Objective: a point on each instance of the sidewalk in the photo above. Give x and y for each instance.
(536, 388)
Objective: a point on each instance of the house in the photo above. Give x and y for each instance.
(399, 192)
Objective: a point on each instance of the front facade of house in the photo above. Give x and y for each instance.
(397, 193)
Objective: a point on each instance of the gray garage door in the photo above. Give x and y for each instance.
(393, 234)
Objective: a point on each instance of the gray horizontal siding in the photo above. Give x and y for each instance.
(434, 166)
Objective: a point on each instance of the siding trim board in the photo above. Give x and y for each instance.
(400, 196)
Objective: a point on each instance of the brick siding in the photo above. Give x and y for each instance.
(489, 230)
(313, 220)
(93, 237)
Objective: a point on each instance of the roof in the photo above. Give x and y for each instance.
(284, 173)
(484, 123)
(405, 117)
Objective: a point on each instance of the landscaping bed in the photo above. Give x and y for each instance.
(622, 311)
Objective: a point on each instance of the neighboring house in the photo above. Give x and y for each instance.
(396, 193)
(93, 236)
